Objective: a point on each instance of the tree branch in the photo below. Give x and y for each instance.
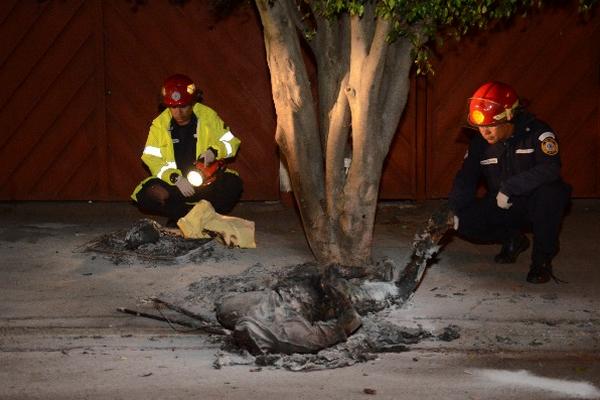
(297, 127)
(374, 67)
(365, 121)
(394, 94)
(332, 54)
(299, 20)
(336, 150)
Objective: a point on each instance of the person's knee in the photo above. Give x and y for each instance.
(553, 189)
(481, 222)
(158, 194)
(232, 187)
(152, 195)
(555, 193)
(231, 191)
(465, 227)
(233, 184)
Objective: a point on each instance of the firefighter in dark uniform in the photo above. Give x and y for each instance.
(518, 156)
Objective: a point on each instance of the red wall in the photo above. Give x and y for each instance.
(80, 82)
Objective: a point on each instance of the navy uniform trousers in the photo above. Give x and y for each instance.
(541, 212)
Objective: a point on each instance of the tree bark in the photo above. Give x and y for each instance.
(297, 129)
(363, 83)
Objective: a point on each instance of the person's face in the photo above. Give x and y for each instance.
(497, 133)
(182, 114)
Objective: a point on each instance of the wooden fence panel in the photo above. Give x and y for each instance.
(552, 59)
(80, 82)
(227, 61)
(48, 102)
(399, 177)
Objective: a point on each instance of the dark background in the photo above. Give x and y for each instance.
(80, 83)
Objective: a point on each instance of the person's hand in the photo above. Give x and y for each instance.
(455, 222)
(184, 186)
(208, 157)
(502, 201)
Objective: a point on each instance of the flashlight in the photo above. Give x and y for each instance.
(201, 175)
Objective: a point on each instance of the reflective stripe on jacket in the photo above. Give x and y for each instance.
(159, 154)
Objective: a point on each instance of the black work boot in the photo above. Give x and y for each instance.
(511, 249)
(540, 272)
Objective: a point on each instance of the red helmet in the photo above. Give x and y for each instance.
(178, 90)
(492, 104)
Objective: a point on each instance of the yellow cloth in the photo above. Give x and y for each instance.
(203, 220)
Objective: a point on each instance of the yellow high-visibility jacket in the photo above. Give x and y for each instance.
(159, 154)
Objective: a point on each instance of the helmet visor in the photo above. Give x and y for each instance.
(484, 112)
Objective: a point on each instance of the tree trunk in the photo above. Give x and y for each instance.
(363, 83)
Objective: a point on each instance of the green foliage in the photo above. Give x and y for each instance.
(420, 20)
(586, 5)
(423, 20)
(332, 8)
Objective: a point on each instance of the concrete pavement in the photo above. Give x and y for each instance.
(61, 338)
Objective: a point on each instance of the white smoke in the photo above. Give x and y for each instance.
(525, 379)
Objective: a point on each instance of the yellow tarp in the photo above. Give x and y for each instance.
(203, 222)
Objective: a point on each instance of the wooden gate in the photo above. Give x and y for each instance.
(50, 100)
(552, 59)
(81, 81)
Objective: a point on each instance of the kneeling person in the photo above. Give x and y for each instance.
(184, 133)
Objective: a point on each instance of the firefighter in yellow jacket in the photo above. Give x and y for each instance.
(184, 133)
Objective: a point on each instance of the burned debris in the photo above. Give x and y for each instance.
(148, 241)
(304, 317)
(300, 314)
(307, 316)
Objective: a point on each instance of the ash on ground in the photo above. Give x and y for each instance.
(376, 335)
(148, 241)
(311, 317)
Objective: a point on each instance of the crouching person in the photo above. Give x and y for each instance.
(518, 156)
(183, 134)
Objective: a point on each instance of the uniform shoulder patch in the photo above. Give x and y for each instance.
(545, 135)
(549, 146)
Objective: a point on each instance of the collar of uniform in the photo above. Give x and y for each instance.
(521, 122)
(173, 124)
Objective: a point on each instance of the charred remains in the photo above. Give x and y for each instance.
(148, 241)
(306, 316)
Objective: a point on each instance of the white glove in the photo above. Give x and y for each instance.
(208, 156)
(455, 226)
(184, 186)
(502, 201)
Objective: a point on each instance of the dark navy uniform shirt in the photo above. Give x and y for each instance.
(184, 144)
(515, 167)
